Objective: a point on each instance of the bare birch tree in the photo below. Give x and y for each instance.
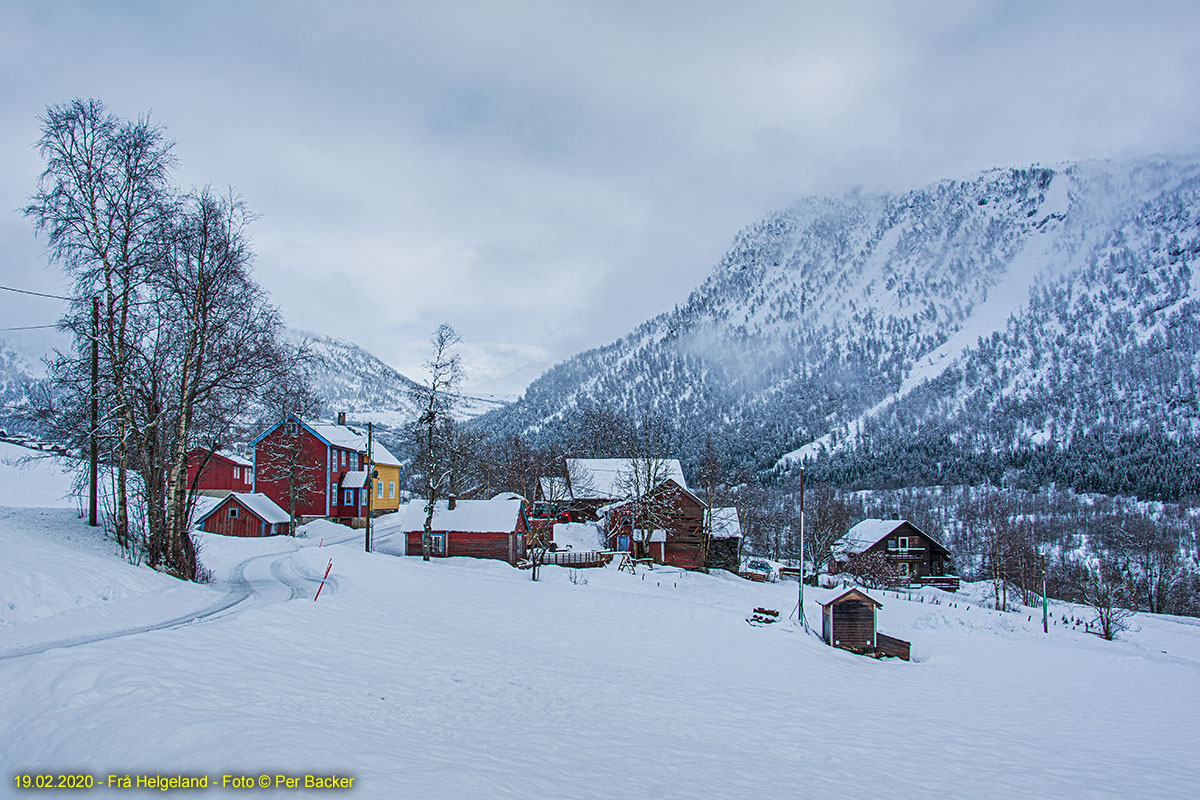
(432, 433)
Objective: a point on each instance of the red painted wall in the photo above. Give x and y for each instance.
(245, 524)
(218, 472)
(271, 456)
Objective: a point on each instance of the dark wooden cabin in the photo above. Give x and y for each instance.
(848, 621)
(673, 515)
(917, 558)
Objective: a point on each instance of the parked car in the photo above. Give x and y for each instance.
(762, 567)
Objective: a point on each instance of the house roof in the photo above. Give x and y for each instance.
(500, 514)
(355, 480)
(257, 503)
(866, 533)
(604, 477)
(834, 595)
(603, 510)
(725, 524)
(235, 458)
(343, 436)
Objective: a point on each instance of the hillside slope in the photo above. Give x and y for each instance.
(822, 316)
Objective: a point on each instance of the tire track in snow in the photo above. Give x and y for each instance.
(241, 590)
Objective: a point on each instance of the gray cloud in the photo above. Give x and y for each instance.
(544, 176)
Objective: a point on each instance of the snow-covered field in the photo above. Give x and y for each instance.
(461, 678)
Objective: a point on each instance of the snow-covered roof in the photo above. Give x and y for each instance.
(235, 458)
(355, 480)
(510, 496)
(868, 532)
(827, 596)
(470, 516)
(606, 477)
(257, 503)
(864, 534)
(725, 523)
(352, 438)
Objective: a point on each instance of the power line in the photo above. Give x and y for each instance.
(29, 328)
(35, 294)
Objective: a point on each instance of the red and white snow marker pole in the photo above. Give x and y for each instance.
(322, 586)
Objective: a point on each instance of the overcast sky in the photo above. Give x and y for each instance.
(546, 175)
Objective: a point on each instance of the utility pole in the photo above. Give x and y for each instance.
(94, 454)
(1045, 609)
(800, 604)
(370, 485)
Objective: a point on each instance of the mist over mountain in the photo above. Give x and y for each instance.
(1027, 325)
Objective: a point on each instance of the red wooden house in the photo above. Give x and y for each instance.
(219, 472)
(324, 464)
(912, 555)
(670, 516)
(496, 528)
(243, 514)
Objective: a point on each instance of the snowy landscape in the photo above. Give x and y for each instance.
(461, 678)
(600, 401)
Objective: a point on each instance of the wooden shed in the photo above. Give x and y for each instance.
(848, 620)
(245, 514)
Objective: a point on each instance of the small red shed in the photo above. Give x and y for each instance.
(243, 514)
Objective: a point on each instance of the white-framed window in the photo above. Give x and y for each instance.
(344, 458)
(903, 542)
(391, 489)
(333, 491)
(233, 513)
(237, 472)
(349, 497)
(378, 490)
(438, 543)
(354, 461)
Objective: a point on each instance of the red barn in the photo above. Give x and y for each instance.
(219, 472)
(324, 464)
(496, 528)
(242, 514)
(672, 518)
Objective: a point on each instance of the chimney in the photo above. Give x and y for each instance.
(451, 502)
(341, 418)
(896, 515)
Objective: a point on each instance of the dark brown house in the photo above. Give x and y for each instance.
(915, 557)
(670, 516)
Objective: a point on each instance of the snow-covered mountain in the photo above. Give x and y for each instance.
(970, 327)
(348, 378)
(18, 375)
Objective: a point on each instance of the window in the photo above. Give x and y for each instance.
(333, 491)
(343, 458)
(903, 567)
(237, 472)
(391, 489)
(903, 542)
(291, 428)
(349, 497)
(354, 461)
(233, 513)
(438, 544)
(379, 490)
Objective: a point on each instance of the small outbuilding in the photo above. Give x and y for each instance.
(244, 514)
(848, 621)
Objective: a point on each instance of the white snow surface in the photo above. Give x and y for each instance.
(461, 678)
(469, 516)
